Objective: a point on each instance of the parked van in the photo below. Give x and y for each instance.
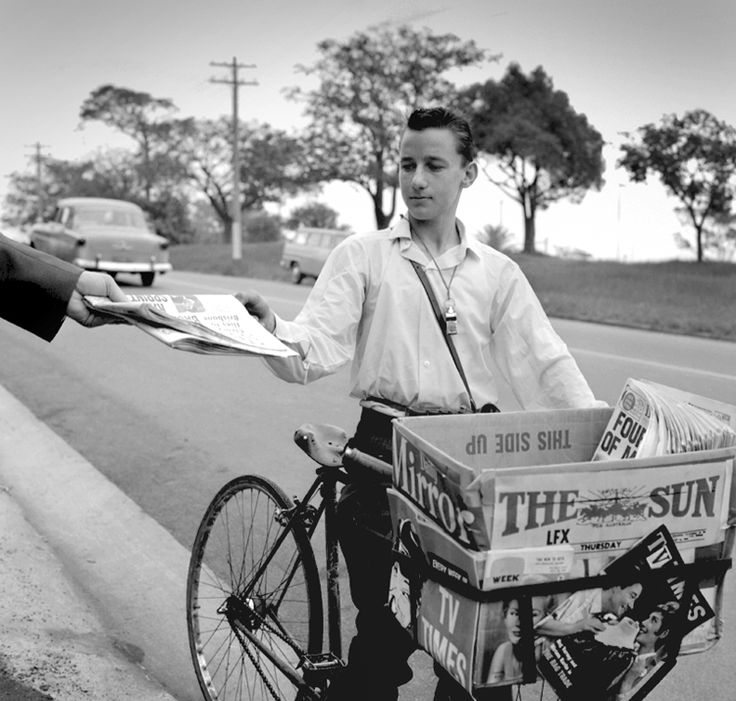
(306, 249)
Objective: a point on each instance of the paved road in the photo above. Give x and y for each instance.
(169, 428)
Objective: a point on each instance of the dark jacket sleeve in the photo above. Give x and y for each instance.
(34, 288)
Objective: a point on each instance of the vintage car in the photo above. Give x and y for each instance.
(306, 249)
(103, 234)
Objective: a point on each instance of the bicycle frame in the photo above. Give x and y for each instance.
(302, 515)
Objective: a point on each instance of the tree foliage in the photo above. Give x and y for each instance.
(542, 148)
(144, 118)
(695, 158)
(272, 164)
(313, 214)
(108, 174)
(262, 226)
(367, 86)
(497, 236)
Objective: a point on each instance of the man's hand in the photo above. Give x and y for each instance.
(258, 307)
(98, 285)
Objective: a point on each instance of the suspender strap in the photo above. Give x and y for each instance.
(443, 327)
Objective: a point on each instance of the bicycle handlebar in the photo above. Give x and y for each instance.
(352, 457)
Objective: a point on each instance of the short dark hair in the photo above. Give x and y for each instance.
(669, 611)
(444, 118)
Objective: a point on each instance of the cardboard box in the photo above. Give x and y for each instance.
(525, 480)
(482, 487)
(462, 634)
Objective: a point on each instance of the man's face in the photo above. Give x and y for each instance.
(432, 173)
(623, 598)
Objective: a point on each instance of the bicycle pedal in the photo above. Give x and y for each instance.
(319, 667)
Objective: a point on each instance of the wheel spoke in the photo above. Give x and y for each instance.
(239, 582)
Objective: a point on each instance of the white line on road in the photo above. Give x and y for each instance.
(598, 354)
(654, 363)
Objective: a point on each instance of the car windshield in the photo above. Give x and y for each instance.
(109, 216)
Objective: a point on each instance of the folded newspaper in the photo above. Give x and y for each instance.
(651, 419)
(210, 324)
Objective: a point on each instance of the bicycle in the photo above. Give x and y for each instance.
(255, 613)
(254, 598)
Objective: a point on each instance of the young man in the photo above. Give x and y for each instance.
(38, 291)
(368, 306)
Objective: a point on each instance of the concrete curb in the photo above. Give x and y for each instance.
(52, 641)
(73, 550)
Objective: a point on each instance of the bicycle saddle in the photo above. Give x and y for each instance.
(324, 443)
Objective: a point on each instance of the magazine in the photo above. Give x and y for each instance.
(642, 623)
(211, 324)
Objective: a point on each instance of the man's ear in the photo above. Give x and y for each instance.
(471, 173)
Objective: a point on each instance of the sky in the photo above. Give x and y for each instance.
(623, 63)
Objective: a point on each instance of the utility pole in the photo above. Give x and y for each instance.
(38, 158)
(237, 235)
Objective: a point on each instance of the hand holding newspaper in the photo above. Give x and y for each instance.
(210, 324)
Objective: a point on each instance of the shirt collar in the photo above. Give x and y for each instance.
(402, 233)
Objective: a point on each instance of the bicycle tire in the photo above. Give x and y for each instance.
(236, 534)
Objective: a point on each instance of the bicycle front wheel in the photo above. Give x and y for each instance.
(253, 594)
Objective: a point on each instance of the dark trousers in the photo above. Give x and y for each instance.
(379, 652)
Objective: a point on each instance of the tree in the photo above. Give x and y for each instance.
(718, 236)
(111, 173)
(262, 226)
(313, 214)
(543, 150)
(496, 236)
(145, 119)
(695, 158)
(368, 85)
(272, 164)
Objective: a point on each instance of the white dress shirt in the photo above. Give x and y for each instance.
(368, 305)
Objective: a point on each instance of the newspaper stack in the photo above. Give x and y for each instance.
(651, 419)
(210, 324)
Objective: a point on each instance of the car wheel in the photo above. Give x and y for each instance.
(296, 274)
(147, 279)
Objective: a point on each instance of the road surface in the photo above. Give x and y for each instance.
(169, 428)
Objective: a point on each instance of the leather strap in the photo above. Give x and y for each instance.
(443, 328)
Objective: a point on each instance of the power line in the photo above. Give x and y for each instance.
(235, 82)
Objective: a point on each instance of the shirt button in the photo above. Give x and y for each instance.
(426, 363)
